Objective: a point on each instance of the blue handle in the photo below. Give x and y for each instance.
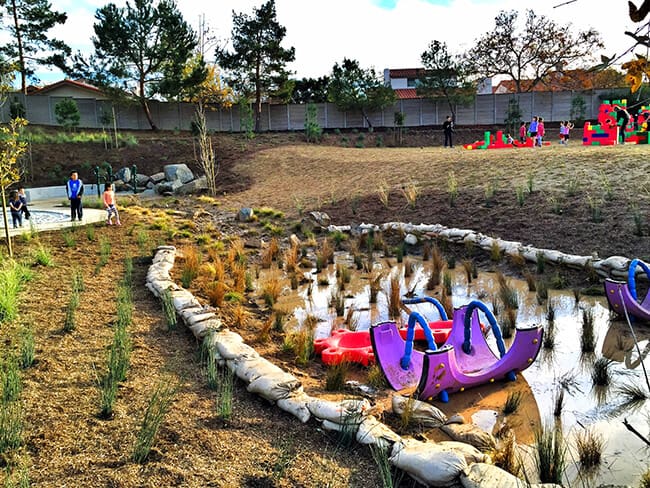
(631, 275)
(427, 299)
(410, 337)
(467, 343)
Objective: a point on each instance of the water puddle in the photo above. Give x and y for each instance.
(41, 217)
(625, 456)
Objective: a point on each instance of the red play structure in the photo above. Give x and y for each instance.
(608, 133)
(500, 142)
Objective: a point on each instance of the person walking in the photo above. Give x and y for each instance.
(75, 190)
(532, 130)
(110, 205)
(448, 129)
(522, 133)
(622, 119)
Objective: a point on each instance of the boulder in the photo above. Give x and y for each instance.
(320, 219)
(178, 172)
(194, 186)
(411, 239)
(157, 177)
(245, 214)
(142, 180)
(125, 174)
(167, 187)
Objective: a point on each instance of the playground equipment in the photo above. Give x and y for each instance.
(464, 361)
(607, 131)
(355, 346)
(499, 142)
(622, 295)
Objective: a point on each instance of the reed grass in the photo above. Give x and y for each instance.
(336, 376)
(10, 380)
(600, 373)
(304, 346)
(394, 298)
(191, 265)
(27, 347)
(558, 401)
(447, 283)
(551, 453)
(452, 188)
(11, 426)
(169, 311)
(376, 377)
(530, 281)
(542, 291)
(590, 445)
(216, 293)
(240, 316)
(143, 241)
(541, 262)
(407, 417)
(12, 278)
(159, 404)
(509, 322)
(506, 456)
(374, 282)
(513, 401)
(69, 238)
(381, 455)
(224, 393)
(104, 251)
(411, 193)
(70, 322)
(507, 294)
(426, 251)
(588, 336)
(271, 291)
(383, 192)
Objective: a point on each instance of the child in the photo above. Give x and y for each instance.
(23, 200)
(522, 133)
(109, 204)
(15, 205)
(532, 129)
(562, 131)
(540, 131)
(509, 139)
(567, 128)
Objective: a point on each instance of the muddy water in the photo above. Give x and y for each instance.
(625, 456)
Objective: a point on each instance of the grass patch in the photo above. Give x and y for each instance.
(588, 336)
(512, 402)
(336, 376)
(600, 373)
(169, 311)
(590, 446)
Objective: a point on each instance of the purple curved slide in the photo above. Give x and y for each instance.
(450, 368)
(618, 294)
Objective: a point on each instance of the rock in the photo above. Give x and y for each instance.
(411, 239)
(157, 177)
(124, 174)
(168, 187)
(320, 219)
(142, 180)
(178, 172)
(245, 214)
(193, 186)
(121, 186)
(294, 240)
(150, 185)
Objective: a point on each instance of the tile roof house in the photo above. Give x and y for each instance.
(567, 80)
(77, 89)
(405, 82)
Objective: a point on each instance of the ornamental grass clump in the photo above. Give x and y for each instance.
(588, 336)
(159, 404)
(336, 376)
(551, 453)
(169, 311)
(590, 445)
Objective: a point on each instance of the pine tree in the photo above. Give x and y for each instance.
(257, 63)
(28, 22)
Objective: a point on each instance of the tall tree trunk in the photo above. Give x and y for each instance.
(21, 55)
(258, 98)
(145, 106)
(6, 221)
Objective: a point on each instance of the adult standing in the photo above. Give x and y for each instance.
(448, 128)
(622, 118)
(75, 190)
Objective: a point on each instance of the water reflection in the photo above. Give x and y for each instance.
(561, 370)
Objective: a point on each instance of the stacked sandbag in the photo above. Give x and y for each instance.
(480, 475)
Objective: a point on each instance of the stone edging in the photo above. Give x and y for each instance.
(613, 267)
(433, 464)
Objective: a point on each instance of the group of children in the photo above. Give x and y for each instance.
(18, 206)
(536, 131)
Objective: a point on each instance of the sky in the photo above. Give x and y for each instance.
(378, 33)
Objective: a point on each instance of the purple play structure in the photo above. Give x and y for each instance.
(622, 295)
(464, 361)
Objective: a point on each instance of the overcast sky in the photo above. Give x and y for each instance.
(378, 33)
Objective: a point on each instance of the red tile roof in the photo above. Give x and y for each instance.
(406, 93)
(78, 84)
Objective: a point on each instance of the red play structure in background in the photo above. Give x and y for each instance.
(607, 132)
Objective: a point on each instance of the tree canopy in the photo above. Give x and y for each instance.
(352, 87)
(28, 22)
(310, 90)
(144, 48)
(446, 77)
(257, 63)
(531, 53)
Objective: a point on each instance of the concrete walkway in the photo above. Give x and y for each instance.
(90, 216)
